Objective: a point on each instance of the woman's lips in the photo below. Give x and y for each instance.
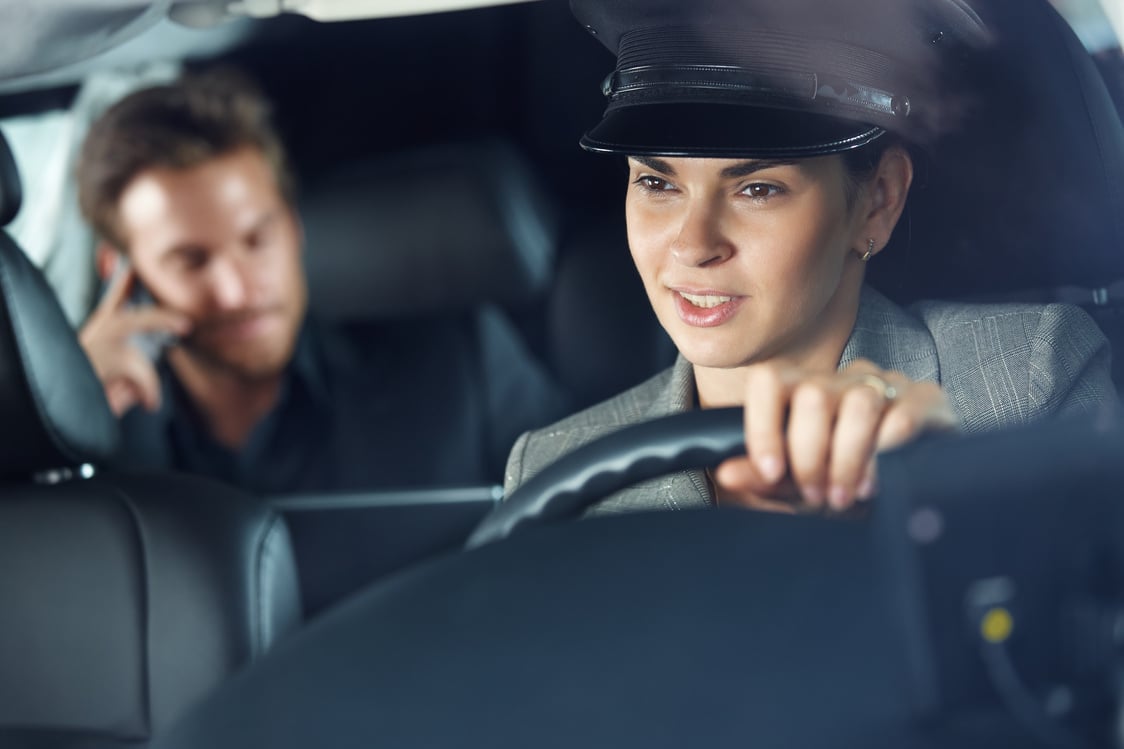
(705, 309)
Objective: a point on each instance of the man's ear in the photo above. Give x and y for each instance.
(106, 258)
(885, 199)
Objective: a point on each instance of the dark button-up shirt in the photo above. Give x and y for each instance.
(432, 402)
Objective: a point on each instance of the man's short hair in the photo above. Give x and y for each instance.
(179, 125)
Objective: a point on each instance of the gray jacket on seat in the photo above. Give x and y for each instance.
(1000, 365)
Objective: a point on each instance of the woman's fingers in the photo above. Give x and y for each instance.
(853, 443)
(767, 392)
(926, 410)
(811, 420)
(815, 435)
(739, 482)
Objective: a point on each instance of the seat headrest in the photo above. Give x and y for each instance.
(11, 192)
(426, 231)
(1028, 194)
(52, 405)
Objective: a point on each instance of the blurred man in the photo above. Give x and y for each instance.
(202, 338)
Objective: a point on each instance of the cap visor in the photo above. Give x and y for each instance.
(724, 131)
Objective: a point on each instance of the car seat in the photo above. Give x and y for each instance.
(603, 335)
(428, 230)
(123, 598)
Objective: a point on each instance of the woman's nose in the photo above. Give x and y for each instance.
(700, 241)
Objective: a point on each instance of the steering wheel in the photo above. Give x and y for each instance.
(636, 453)
(662, 629)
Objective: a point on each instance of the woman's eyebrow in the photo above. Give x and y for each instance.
(658, 165)
(746, 168)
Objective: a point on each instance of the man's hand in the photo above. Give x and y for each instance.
(127, 375)
(812, 438)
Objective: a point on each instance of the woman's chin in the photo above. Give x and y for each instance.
(715, 357)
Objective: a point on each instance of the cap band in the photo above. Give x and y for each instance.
(724, 83)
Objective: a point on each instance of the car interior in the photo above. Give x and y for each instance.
(145, 608)
(126, 598)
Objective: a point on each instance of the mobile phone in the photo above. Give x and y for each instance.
(152, 343)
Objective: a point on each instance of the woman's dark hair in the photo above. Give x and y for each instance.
(860, 164)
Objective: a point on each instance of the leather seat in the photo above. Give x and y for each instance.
(378, 249)
(123, 598)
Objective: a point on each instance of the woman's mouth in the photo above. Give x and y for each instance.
(706, 309)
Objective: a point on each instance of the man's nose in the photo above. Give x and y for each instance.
(700, 240)
(230, 284)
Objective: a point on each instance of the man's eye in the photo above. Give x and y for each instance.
(655, 184)
(761, 190)
(191, 261)
(256, 240)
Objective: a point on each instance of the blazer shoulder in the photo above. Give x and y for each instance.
(1020, 328)
(938, 314)
(1005, 364)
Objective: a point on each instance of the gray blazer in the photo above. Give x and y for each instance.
(1000, 365)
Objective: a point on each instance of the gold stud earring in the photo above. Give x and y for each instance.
(869, 251)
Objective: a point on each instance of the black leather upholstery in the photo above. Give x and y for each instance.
(52, 407)
(123, 599)
(425, 231)
(721, 629)
(1026, 198)
(604, 336)
(11, 191)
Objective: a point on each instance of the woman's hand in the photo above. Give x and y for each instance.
(812, 438)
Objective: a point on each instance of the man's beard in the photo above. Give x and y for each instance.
(250, 361)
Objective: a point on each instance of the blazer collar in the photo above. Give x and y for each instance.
(892, 338)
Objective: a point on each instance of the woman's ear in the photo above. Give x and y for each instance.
(886, 194)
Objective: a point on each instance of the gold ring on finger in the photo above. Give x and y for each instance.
(883, 388)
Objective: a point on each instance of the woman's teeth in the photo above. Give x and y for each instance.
(706, 301)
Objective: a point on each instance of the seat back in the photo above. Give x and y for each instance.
(603, 335)
(1022, 201)
(123, 599)
(427, 231)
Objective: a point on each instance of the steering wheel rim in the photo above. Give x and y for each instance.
(633, 454)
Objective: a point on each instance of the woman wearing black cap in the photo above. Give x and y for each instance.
(767, 167)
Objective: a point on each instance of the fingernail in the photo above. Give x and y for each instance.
(866, 489)
(838, 497)
(813, 495)
(770, 468)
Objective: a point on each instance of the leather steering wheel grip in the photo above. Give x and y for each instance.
(636, 453)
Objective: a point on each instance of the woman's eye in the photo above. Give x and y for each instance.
(761, 190)
(655, 184)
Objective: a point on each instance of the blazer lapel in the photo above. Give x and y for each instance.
(681, 490)
(892, 338)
